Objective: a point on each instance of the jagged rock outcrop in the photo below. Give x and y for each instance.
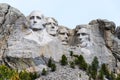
(8, 17)
(89, 41)
(28, 44)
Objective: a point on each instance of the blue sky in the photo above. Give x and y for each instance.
(71, 12)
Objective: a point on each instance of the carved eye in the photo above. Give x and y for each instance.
(83, 34)
(32, 17)
(68, 34)
(55, 24)
(38, 17)
(48, 23)
(62, 33)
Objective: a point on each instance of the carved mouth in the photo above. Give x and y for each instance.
(52, 30)
(36, 29)
(64, 41)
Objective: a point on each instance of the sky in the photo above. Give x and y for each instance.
(71, 12)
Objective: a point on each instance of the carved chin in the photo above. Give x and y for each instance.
(52, 32)
(84, 44)
(37, 26)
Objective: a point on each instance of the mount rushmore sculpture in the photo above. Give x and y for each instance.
(32, 40)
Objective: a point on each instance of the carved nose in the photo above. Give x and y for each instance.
(80, 39)
(35, 21)
(53, 27)
(66, 38)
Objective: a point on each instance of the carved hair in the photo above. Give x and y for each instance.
(81, 26)
(48, 18)
(61, 27)
(42, 16)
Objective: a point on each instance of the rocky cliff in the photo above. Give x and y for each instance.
(28, 44)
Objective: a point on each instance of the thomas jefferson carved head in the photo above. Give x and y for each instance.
(51, 26)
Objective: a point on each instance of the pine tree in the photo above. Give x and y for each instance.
(95, 64)
(94, 67)
(112, 76)
(71, 53)
(118, 77)
(76, 60)
(106, 71)
(49, 62)
(44, 72)
(64, 60)
(89, 70)
(33, 75)
(82, 63)
(72, 64)
(53, 67)
(24, 75)
(100, 75)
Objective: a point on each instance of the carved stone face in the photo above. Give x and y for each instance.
(82, 37)
(63, 35)
(51, 26)
(36, 20)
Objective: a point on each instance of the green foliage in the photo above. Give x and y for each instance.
(71, 53)
(53, 67)
(76, 60)
(15, 77)
(100, 75)
(5, 72)
(82, 63)
(64, 61)
(95, 64)
(89, 70)
(9, 74)
(90, 78)
(76, 56)
(44, 72)
(94, 74)
(112, 76)
(79, 75)
(24, 75)
(105, 70)
(33, 75)
(72, 64)
(118, 77)
(94, 67)
(49, 62)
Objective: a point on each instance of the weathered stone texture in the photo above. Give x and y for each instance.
(23, 47)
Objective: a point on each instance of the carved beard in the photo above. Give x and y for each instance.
(83, 44)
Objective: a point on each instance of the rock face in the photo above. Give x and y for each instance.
(8, 17)
(28, 43)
